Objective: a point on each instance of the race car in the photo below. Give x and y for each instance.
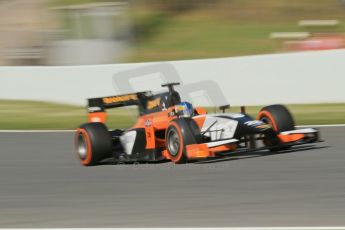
(169, 129)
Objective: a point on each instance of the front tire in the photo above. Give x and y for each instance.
(180, 133)
(92, 143)
(279, 117)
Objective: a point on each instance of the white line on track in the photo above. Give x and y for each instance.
(282, 228)
(67, 130)
(230, 228)
(36, 131)
(316, 126)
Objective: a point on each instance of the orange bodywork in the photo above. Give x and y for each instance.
(290, 137)
(159, 121)
(97, 117)
(285, 138)
(153, 123)
(200, 111)
(224, 148)
(203, 151)
(199, 120)
(197, 151)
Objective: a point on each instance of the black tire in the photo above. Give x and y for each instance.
(93, 143)
(281, 120)
(181, 132)
(279, 116)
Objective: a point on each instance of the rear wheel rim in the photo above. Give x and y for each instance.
(173, 142)
(81, 146)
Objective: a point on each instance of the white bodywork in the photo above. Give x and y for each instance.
(300, 131)
(127, 141)
(220, 126)
(218, 143)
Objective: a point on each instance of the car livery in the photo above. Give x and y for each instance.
(162, 132)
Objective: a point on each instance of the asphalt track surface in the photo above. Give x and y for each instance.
(43, 185)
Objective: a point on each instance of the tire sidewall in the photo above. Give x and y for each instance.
(281, 120)
(98, 142)
(188, 133)
(279, 117)
(180, 157)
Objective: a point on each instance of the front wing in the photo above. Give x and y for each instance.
(233, 146)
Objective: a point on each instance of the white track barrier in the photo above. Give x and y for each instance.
(308, 77)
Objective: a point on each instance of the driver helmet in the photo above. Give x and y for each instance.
(184, 109)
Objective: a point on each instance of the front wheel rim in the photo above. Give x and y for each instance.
(266, 120)
(173, 142)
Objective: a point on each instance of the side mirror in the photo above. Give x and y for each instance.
(224, 107)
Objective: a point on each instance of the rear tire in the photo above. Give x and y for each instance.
(281, 120)
(93, 143)
(180, 133)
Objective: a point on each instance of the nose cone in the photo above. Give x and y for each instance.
(258, 126)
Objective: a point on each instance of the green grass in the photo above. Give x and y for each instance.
(221, 40)
(42, 115)
(209, 38)
(74, 2)
(310, 114)
(226, 28)
(219, 28)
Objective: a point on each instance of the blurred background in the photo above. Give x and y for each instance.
(80, 32)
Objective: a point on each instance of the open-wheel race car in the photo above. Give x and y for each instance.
(168, 129)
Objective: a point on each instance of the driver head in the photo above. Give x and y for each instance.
(184, 109)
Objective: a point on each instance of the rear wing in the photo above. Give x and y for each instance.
(146, 102)
(97, 106)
